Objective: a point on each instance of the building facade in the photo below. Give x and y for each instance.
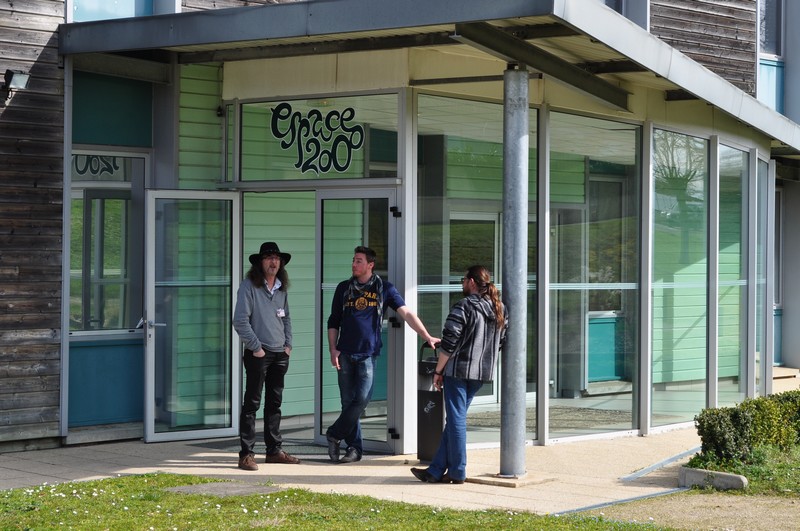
(179, 137)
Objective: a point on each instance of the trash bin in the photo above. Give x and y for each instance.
(430, 407)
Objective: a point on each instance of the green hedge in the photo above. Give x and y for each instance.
(731, 433)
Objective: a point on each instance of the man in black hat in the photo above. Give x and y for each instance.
(262, 320)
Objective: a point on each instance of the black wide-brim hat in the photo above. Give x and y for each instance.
(268, 248)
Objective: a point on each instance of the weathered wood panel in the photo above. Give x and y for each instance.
(30, 352)
(10, 401)
(718, 34)
(31, 197)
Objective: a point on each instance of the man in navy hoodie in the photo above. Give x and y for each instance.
(354, 341)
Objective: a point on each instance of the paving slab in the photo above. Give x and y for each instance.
(559, 478)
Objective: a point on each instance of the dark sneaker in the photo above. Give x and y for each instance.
(423, 475)
(351, 456)
(333, 448)
(248, 462)
(281, 457)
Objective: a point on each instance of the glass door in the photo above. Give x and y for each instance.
(192, 370)
(344, 223)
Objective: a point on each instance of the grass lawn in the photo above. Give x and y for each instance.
(143, 502)
(770, 471)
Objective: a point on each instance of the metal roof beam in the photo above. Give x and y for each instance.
(498, 43)
(621, 66)
(317, 48)
(128, 67)
(679, 95)
(541, 31)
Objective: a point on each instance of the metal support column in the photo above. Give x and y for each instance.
(515, 270)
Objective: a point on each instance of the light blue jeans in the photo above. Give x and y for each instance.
(355, 389)
(451, 456)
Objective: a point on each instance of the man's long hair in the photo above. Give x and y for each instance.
(486, 288)
(256, 275)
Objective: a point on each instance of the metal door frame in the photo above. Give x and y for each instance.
(149, 304)
(395, 338)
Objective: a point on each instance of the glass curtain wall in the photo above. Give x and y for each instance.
(732, 298)
(460, 199)
(680, 277)
(594, 253)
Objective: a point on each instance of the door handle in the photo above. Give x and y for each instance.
(151, 324)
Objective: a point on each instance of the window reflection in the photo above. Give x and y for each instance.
(680, 277)
(594, 253)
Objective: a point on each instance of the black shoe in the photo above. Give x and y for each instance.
(423, 475)
(447, 479)
(351, 456)
(333, 448)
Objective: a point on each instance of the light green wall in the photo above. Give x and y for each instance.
(288, 218)
(200, 132)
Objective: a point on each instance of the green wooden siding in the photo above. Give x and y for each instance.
(200, 149)
(288, 218)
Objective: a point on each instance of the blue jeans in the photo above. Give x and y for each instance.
(355, 389)
(451, 456)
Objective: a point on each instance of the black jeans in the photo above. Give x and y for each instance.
(262, 374)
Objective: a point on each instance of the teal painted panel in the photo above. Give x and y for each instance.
(106, 382)
(382, 146)
(606, 355)
(111, 111)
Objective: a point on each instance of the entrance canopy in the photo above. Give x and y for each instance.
(585, 45)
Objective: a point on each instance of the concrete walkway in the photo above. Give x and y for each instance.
(561, 478)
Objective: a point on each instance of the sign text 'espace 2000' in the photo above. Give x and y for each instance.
(321, 141)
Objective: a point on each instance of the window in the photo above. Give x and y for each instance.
(732, 282)
(616, 5)
(328, 138)
(680, 276)
(770, 27)
(88, 10)
(105, 260)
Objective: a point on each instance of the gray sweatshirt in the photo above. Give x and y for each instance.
(472, 340)
(257, 318)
